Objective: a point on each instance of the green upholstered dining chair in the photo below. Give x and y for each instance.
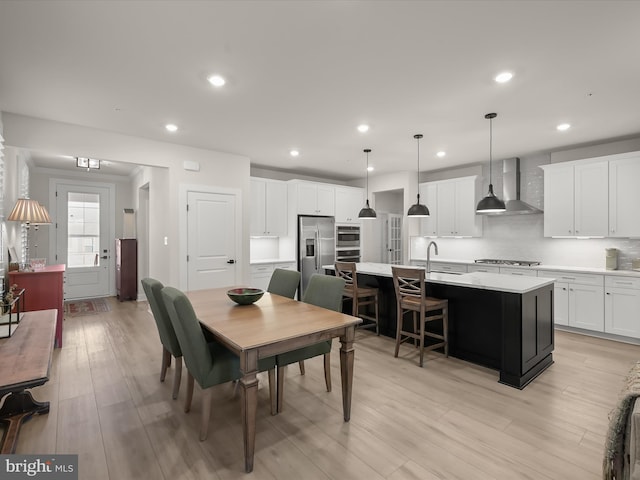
(284, 282)
(324, 291)
(208, 363)
(170, 346)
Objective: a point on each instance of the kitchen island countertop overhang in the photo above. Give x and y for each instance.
(481, 280)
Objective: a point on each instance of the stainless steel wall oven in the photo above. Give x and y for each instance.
(347, 243)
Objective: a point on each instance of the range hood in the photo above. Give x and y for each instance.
(511, 190)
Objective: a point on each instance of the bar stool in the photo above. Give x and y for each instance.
(411, 296)
(360, 296)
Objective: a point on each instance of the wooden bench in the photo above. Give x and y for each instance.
(25, 362)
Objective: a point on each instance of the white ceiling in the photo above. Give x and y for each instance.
(304, 74)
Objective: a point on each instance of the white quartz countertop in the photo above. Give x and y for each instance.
(480, 280)
(562, 268)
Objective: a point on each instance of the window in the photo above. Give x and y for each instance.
(83, 241)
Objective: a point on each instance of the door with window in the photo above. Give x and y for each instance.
(84, 235)
(394, 239)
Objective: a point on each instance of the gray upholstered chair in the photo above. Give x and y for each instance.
(324, 291)
(284, 282)
(208, 363)
(170, 346)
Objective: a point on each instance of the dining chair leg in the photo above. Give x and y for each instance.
(273, 396)
(177, 378)
(281, 374)
(327, 370)
(301, 364)
(187, 401)
(207, 400)
(166, 360)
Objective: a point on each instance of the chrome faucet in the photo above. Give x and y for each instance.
(435, 245)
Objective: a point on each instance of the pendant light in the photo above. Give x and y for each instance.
(417, 209)
(490, 203)
(367, 212)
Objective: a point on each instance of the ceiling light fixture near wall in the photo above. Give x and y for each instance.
(490, 203)
(503, 77)
(216, 80)
(563, 127)
(441, 154)
(88, 163)
(367, 212)
(294, 153)
(417, 209)
(363, 128)
(171, 127)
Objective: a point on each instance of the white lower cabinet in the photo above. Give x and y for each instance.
(520, 272)
(622, 306)
(578, 299)
(561, 303)
(475, 267)
(586, 307)
(261, 273)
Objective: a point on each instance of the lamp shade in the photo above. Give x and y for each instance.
(27, 210)
(43, 217)
(418, 210)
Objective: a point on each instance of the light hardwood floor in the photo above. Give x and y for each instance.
(448, 420)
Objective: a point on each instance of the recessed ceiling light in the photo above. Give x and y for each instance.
(363, 128)
(294, 153)
(503, 77)
(370, 168)
(216, 80)
(563, 126)
(441, 154)
(171, 127)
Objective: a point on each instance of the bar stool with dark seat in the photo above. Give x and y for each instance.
(361, 296)
(411, 296)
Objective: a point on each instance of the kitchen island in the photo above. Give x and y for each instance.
(498, 321)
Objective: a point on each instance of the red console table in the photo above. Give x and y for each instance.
(44, 289)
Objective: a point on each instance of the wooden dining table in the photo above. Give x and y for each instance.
(272, 325)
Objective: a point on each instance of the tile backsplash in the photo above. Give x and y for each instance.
(520, 237)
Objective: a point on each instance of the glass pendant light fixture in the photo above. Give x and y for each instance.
(490, 203)
(367, 212)
(417, 209)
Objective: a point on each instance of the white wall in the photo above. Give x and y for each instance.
(216, 170)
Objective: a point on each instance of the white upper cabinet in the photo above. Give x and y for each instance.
(349, 201)
(315, 198)
(429, 197)
(592, 199)
(268, 207)
(576, 199)
(624, 197)
(456, 208)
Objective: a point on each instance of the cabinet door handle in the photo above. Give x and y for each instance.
(232, 261)
(608, 293)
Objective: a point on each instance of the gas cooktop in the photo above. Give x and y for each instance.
(497, 261)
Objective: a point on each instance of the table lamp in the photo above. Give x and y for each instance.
(29, 212)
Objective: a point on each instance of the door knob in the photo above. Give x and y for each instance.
(104, 257)
(231, 261)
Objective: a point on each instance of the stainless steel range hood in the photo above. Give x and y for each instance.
(511, 190)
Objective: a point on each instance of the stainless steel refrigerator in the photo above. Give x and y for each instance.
(316, 246)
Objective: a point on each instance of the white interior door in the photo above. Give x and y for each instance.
(84, 237)
(211, 240)
(394, 239)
